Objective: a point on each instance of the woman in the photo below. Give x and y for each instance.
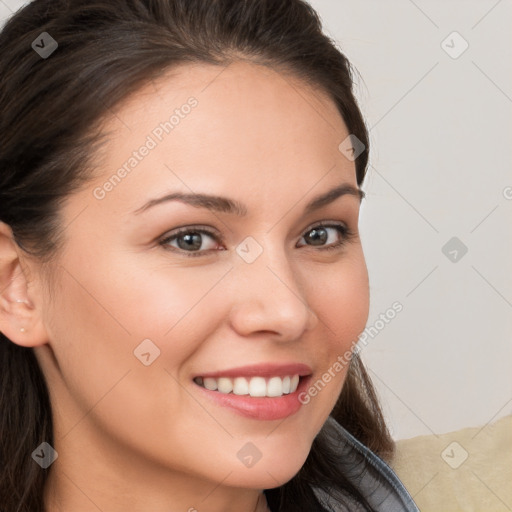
(182, 279)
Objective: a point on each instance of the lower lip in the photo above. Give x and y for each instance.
(261, 408)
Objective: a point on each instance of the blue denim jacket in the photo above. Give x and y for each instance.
(376, 481)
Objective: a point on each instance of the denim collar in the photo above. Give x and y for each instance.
(376, 481)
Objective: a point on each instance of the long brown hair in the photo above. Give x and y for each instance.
(51, 108)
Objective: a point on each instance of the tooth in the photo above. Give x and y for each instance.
(286, 384)
(275, 387)
(225, 385)
(294, 383)
(210, 383)
(257, 386)
(241, 386)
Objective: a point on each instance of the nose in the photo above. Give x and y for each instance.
(268, 299)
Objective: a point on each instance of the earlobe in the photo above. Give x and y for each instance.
(20, 316)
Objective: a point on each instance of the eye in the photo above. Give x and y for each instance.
(189, 240)
(319, 235)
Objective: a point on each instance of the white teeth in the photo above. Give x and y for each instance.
(294, 382)
(210, 384)
(286, 384)
(275, 387)
(225, 385)
(255, 386)
(241, 386)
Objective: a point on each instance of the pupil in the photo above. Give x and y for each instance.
(318, 235)
(189, 241)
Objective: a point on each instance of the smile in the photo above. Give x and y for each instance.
(256, 386)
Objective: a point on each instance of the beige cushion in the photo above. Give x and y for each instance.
(467, 470)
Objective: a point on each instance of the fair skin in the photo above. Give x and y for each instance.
(132, 437)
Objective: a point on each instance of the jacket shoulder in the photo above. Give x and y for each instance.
(376, 481)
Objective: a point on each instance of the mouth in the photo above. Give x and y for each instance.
(257, 386)
(261, 392)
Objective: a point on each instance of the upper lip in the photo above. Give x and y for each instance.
(261, 370)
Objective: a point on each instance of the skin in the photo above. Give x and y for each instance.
(134, 437)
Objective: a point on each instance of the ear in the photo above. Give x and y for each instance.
(20, 299)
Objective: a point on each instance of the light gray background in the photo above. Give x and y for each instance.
(440, 166)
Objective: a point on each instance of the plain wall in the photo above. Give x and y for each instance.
(440, 166)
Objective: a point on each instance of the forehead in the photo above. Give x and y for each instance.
(236, 127)
(239, 80)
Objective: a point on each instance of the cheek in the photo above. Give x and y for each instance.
(177, 308)
(91, 342)
(101, 320)
(124, 298)
(97, 319)
(342, 305)
(342, 301)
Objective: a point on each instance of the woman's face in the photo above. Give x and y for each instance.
(137, 313)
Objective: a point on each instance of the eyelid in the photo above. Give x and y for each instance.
(325, 223)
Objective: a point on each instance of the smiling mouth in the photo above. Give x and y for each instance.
(255, 386)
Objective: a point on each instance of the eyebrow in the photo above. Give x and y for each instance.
(231, 206)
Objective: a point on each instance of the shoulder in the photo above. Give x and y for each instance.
(376, 481)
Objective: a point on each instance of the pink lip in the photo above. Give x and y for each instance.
(261, 370)
(260, 408)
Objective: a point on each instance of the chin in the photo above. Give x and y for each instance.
(262, 479)
(269, 472)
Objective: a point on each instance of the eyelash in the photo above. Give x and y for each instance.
(345, 232)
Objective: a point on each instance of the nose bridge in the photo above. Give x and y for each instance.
(269, 296)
